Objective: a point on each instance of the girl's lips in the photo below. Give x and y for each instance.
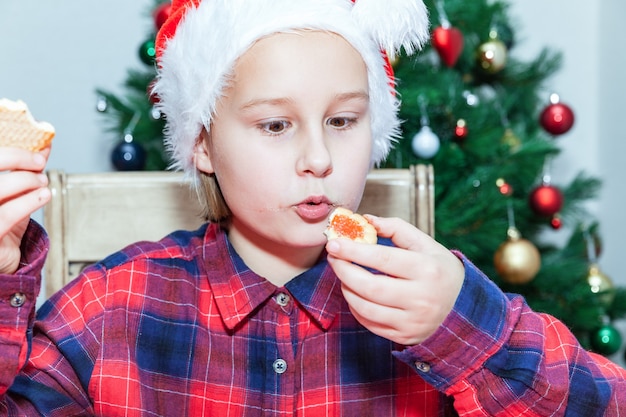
(314, 210)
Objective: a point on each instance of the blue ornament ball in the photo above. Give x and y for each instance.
(128, 156)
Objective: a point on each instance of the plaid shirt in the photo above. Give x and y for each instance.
(182, 327)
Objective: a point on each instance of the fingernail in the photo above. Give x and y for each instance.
(43, 179)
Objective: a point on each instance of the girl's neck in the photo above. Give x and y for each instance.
(276, 263)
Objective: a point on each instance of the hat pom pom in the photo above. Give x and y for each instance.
(394, 24)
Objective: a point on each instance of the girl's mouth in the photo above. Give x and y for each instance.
(314, 208)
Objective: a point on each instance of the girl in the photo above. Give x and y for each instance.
(278, 109)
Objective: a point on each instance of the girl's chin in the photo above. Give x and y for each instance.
(295, 233)
(308, 239)
(311, 236)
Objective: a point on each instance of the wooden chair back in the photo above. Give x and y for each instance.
(93, 215)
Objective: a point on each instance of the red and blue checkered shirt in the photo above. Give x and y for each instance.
(182, 327)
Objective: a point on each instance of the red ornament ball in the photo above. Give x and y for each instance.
(546, 200)
(460, 130)
(556, 223)
(448, 42)
(506, 189)
(161, 13)
(557, 118)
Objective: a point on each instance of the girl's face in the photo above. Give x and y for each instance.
(290, 139)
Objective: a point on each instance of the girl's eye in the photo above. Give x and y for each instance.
(341, 122)
(275, 127)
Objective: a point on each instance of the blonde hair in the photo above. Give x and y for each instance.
(212, 203)
(208, 191)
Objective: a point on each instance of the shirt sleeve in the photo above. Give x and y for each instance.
(497, 357)
(42, 371)
(18, 297)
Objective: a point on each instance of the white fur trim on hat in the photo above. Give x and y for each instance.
(195, 62)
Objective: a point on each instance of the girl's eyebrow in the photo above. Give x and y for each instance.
(354, 95)
(282, 101)
(279, 101)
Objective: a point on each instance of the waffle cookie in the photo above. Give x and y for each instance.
(18, 128)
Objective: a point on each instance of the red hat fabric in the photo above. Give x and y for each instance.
(168, 29)
(179, 7)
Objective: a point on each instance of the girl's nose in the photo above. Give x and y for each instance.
(315, 155)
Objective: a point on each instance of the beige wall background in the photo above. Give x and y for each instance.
(54, 54)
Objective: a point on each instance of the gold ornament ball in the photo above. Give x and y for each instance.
(600, 284)
(491, 56)
(517, 261)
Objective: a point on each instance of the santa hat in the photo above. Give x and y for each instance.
(199, 43)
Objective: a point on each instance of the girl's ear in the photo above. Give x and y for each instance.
(202, 155)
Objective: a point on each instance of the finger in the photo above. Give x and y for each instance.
(16, 210)
(434, 259)
(375, 322)
(402, 233)
(404, 311)
(408, 272)
(389, 260)
(395, 326)
(381, 293)
(378, 289)
(392, 322)
(378, 324)
(13, 184)
(366, 299)
(12, 158)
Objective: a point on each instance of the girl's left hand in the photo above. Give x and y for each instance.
(419, 285)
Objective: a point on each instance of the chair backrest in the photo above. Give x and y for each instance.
(93, 215)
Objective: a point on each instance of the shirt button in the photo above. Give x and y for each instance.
(282, 299)
(280, 366)
(18, 299)
(422, 367)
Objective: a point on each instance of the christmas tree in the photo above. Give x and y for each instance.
(490, 128)
(485, 122)
(132, 119)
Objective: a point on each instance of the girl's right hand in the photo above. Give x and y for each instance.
(23, 190)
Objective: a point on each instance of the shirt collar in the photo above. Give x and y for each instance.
(238, 291)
